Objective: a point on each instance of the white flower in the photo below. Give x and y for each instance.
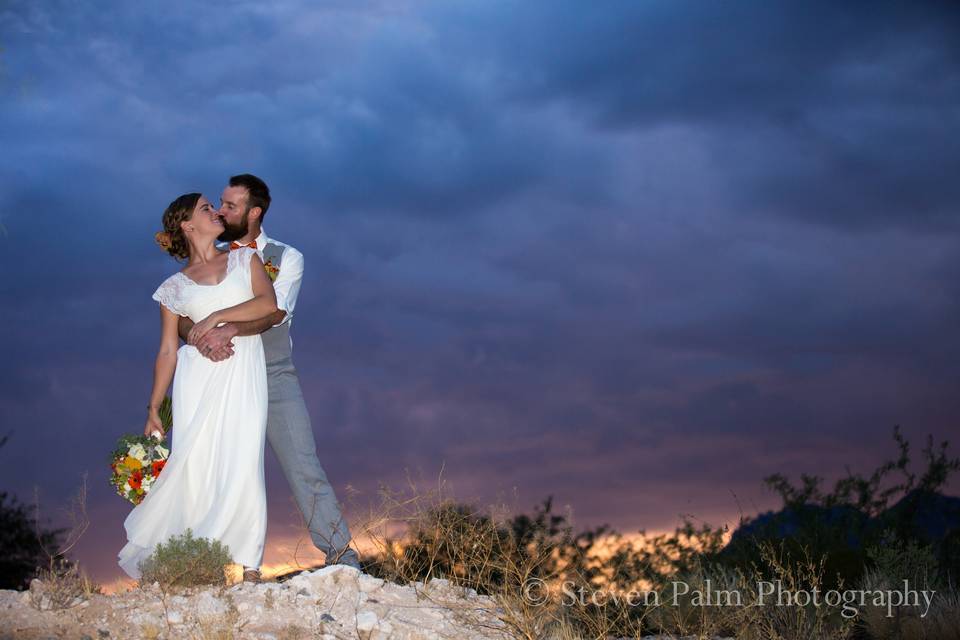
(161, 450)
(138, 452)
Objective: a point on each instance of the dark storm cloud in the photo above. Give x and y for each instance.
(370, 114)
(838, 113)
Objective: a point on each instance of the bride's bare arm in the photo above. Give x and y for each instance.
(163, 368)
(263, 302)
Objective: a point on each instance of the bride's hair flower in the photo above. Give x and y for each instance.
(163, 239)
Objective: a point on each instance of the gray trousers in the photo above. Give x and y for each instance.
(291, 437)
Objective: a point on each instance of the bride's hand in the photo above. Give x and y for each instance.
(153, 424)
(202, 327)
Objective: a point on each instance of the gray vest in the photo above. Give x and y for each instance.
(276, 340)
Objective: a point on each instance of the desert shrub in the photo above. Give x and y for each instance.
(942, 622)
(22, 543)
(60, 585)
(835, 534)
(893, 562)
(479, 551)
(185, 561)
(654, 561)
(795, 574)
(718, 600)
(681, 609)
(840, 525)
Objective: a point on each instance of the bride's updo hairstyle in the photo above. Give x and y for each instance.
(172, 238)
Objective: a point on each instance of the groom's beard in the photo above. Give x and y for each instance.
(233, 232)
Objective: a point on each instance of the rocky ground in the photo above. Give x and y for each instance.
(333, 603)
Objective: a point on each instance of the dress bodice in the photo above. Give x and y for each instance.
(185, 297)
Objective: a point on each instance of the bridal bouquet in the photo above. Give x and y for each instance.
(138, 460)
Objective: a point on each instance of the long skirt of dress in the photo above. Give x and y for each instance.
(213, 480)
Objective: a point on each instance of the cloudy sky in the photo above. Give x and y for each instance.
(634, 255)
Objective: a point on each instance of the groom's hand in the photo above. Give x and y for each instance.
(215, 344)
(216, 354)
(222, 353)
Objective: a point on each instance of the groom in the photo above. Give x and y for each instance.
(244, 204)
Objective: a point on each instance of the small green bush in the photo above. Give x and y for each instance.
(185, 561)
(893, 562)
(897, 560)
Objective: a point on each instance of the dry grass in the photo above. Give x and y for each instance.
(62, 583)
(419, 535)
(545, 585)
(894, 562)
(941, 622)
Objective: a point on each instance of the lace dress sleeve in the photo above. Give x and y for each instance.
(168, 294)
(241, 260)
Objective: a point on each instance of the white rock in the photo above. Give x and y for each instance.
(334, 578)
(299, 582)
(369, 583)
(385, 629)
(140, 619)
(208, 604)
(367, 621)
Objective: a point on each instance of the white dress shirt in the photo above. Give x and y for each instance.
(287, 284)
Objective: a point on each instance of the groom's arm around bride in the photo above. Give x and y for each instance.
(216, 345)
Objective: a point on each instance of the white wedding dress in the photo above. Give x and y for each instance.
(213, 480)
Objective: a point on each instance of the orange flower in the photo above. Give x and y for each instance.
(136, 478)
(157, 466)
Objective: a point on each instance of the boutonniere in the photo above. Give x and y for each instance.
(272, 271)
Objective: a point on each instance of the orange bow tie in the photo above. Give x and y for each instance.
(252, 244)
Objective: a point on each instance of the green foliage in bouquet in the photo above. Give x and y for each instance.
(166, 414)
(185, 561)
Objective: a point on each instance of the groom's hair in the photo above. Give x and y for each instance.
(258, 193)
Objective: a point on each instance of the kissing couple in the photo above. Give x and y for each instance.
(234, 386)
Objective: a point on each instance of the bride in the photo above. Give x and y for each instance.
(213, 480)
